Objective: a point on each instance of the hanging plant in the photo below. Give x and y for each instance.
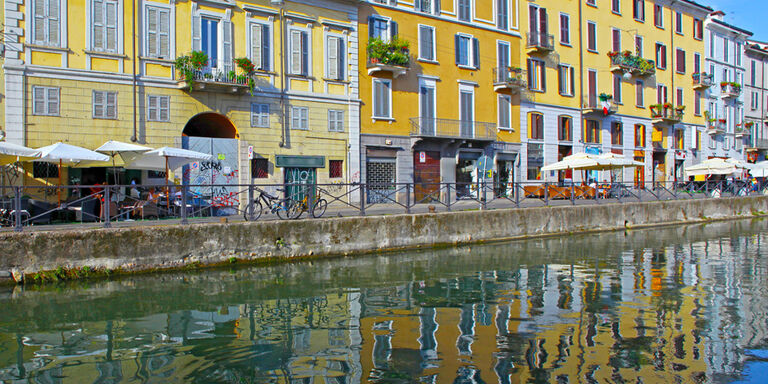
(604, 97)
(187, 65)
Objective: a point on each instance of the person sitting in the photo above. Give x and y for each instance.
(153, 196)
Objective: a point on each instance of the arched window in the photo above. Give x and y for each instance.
(564, 128)
(536, 126)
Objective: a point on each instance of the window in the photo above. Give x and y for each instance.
(564, 128)
(616, 6)
(617, 89)
(467, 51)
(565, 80)
(591, 36)
(382, 94)
(639, 135)
(679, 23)
(43, 170)
(158, 108)
(45, 101)
(658, 16)
(429, 6)
(335, 120)
(537, 23)
(697, 103)
(426, 43)
(465, 10)
(536, 132)
(679, 138)
(208, 40)
(104, 105)
(661, 56)
(615, 40)
(591, 2)
(466, 110)
(535, 160)
(725, 49)
(260, 46)
(639, 46)
(502, 14)
(592, 132)
(639, 99)
(726, 74)
(696, 62)
(753, 102)
(638, 10)
(502, 52)
(46, 27)
(259, 168)
(260, 115)
(299, 53)
(661, 94)
(679, 97)
(335, 168)
(300, 118)
(336, 64)
(711, 44)
(536, 75)
(617, 133)
(104, 25)
(505, 112)
(565, 29)
(753, 73)
(680, 60)
(698, 29)
(738, 54)
(381, 28)
(158, 32)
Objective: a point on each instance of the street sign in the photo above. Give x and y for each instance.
(422, 157)
(250, 152)
(484, 164)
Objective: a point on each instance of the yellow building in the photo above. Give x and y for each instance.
(431, 104)
(611, 76)
(87, 71)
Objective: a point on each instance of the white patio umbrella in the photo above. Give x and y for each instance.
(167, 158)
(11, 153)
(714, 166)
(70, 154)
(127, 152)
(759, 169)
(576, 161)
(614, 160)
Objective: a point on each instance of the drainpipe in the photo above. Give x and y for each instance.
(673, 70)
(581, 78)
(283, 122)
(135, 136)
(762, 102)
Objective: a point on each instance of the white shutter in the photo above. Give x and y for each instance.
(98, 24)
(164, 22)
(256, 45)
(38, 94)
(111, 110)
(53, 22)
(152, 27)
(111, 25)
(53, 101)
(165, 107)
(333, 57)
(227, 43)
(98, 104)
(196, 39)
(295, 52)
(254, 112)
(39, 10)
(152, 108)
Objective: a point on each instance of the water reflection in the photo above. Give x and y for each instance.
(671, 305)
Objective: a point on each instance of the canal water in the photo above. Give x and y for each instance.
(665, 305)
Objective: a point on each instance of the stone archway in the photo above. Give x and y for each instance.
(211, 124)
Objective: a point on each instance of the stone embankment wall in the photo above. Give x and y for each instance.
(144, 248)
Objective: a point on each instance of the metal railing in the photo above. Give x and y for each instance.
(223, 74)
(631, 63)
(593, 104)
(730, 90)
(118, 206)
(510, 77)
(667, 114)
(449, 128)
(540, 40)
(703, 79)
(759, 143)
(716, 127)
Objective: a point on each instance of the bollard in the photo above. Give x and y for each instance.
(17, 211)
(107, 223)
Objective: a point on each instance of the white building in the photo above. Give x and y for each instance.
(755, 87)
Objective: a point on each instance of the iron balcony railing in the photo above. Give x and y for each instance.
(759, 143)
(716, 126)
(449, 128)
(593, 104)
(509, 77)
(541, 41)
(628, 62)
(702, 80)
(730, 89)
(224, 74)
(666, 114)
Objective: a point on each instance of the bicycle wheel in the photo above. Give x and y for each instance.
(319, 209)
(285, 209)
(254, 208)
(296, 209)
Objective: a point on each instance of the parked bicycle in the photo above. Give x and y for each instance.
(284, 208)
(318, 207)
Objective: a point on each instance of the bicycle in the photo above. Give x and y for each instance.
(283, 208)
(318, 208)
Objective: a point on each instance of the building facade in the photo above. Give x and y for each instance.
(439, 86)
(726, 135)
(612, 77)
(755, 59)
(86, 71)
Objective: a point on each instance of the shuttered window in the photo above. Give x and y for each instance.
(565, 80)
(502, 14)
(158, 108)
(104, 105)
(536, 75)
(300, 118)
(617, 89)
(504, 112)
(104, 25)
(260, 47)
(565, 29)
(639, 96)
(661, 56)
(46, 22)
(335, 120)
(158, 33)
(615, 40)
(591, 36)
(299, 59)
(260, 115)
(680, 60)
(426, 42)
(467, 51)
(45, 101)
(335, 63)
(382, 92)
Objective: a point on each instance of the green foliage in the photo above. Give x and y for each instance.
(395, 52)
(188, 64)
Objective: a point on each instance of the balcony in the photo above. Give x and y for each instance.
(626, 62)
(716, 126)
(391, 57)
(537, 42)
(759, 143)
(666, 114)
(599, 105)
(730, 90)
(452, 129)
(508, 79)
(740, 132)
(224, 79)
(702, 81)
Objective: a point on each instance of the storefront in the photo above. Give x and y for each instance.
(467, 175)
(300, 173)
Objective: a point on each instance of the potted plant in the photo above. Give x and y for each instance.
(604, 97)
(187, 65)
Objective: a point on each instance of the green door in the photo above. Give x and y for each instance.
(301, 182)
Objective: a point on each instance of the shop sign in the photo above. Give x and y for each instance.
(422, 157)
(250, 152)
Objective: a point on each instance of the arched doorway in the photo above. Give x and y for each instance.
(214, 134)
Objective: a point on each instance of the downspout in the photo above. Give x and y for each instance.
(283, 128)
(135, 136)
(762, 103)
(581, 79)
(672, 71)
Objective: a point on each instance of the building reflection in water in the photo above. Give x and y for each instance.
(589, 309)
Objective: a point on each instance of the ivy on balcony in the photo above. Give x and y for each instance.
(395, 52)
(632, 63)
(667, 111)
(188, 65)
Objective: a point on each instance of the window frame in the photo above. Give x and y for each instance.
(592, 132)
(336, 116)
(91, 32)
(638, 10)
(540, 77)
(567, 29)
(341, 57)
(160, 7)
(569, 77)
(507, 101)
(679, 23)
(472, 56)
(331, 168)
(303, 72)
(616, 7)
(639, 90)
(104, 106)
(260, 118)
(539, 129)
(249, 38)
(617, 133)
(593, 26)
(255, 174)
(658, 16)
(158, 108)
(661, 57)
(46, 101)
(505, 27)
(680, 53)
(374, 97)
(617, 89)
(433, 52)
(303, 121)
(642, 137)
(560, 135)
(60, 19)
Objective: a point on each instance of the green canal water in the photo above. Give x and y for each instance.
(666, 305)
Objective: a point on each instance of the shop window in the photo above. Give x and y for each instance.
(259, 168)
(592, 131)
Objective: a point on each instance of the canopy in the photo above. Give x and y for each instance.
(11, 153)
(613, 160)
(575, 161)
(166, 157)
(759, 169)
(69, 154)
(715, 166)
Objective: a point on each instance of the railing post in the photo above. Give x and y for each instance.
(613, 188)
(546, 193)
(516, 193)
(448, 197)
(362, 199)
(17, 210)
(184, 204)
(107, 221)
(407, 197)
(483, 195)
(706, 187)
(573, 192)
